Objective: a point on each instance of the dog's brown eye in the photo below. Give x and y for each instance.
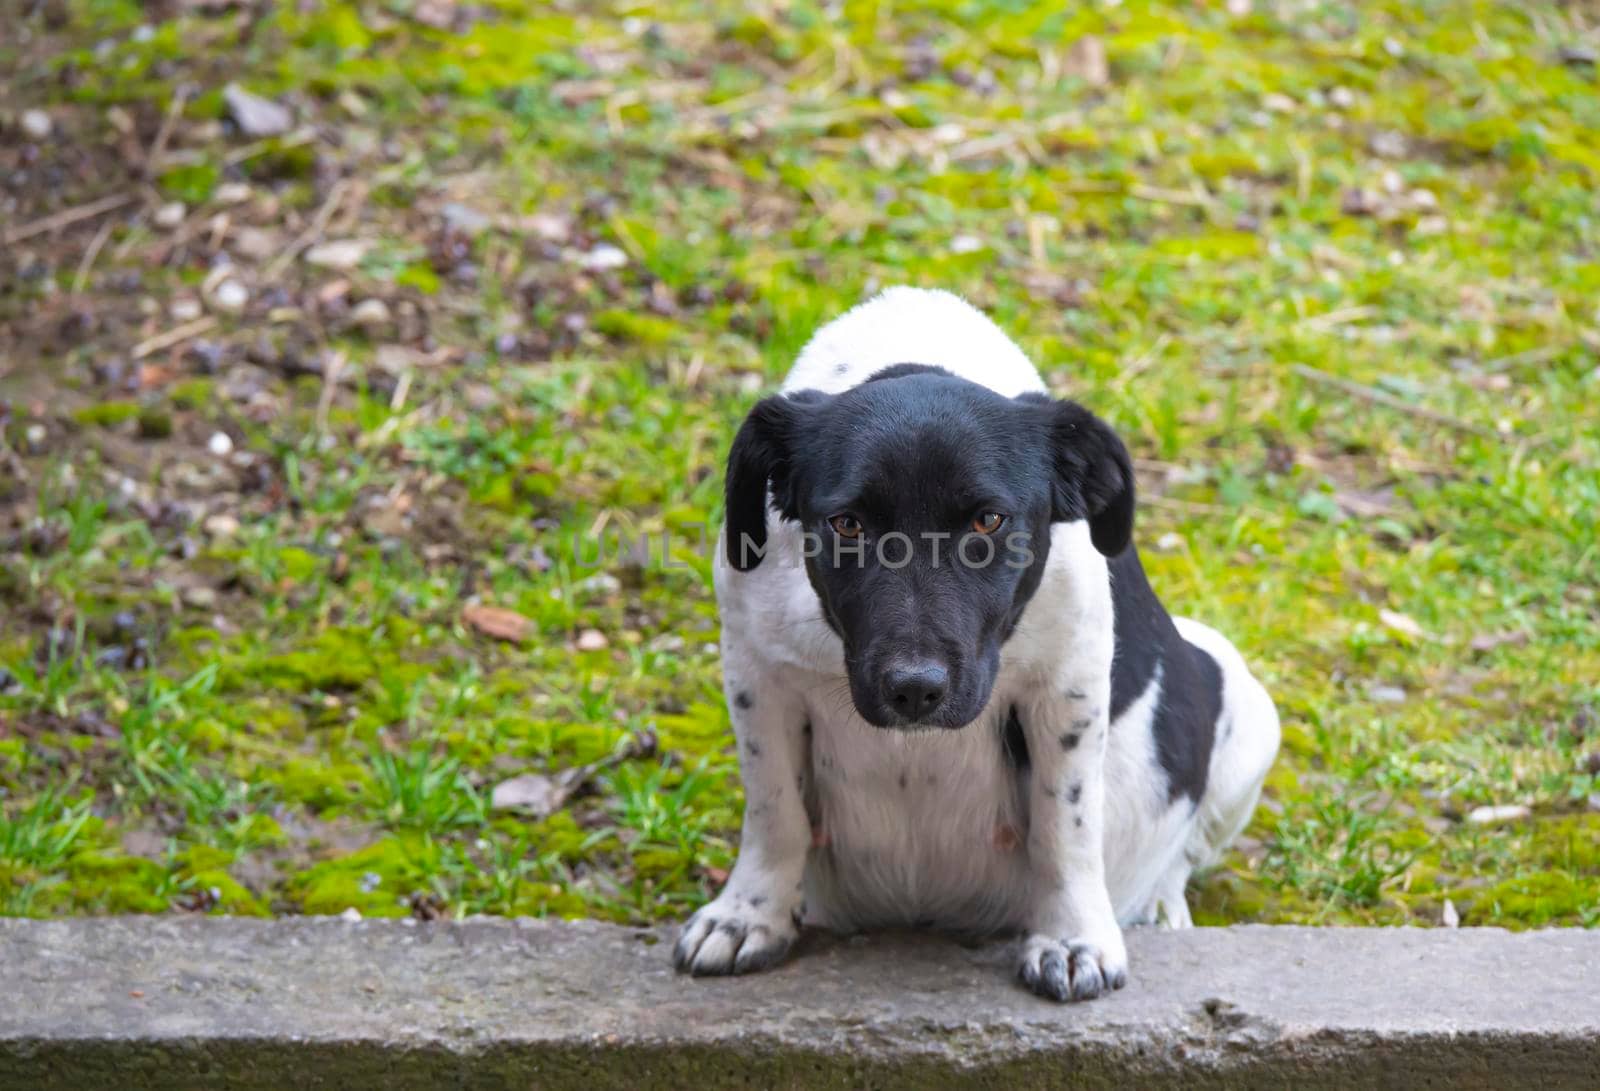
(988, 522)
(846, 526)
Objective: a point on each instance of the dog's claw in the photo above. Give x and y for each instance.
(724, 939)
(1066, 970)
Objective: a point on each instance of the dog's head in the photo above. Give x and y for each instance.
(926, 503)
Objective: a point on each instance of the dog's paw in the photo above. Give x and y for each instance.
(1071, 970)
(731, 936)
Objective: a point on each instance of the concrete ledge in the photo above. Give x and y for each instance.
(309, 1003)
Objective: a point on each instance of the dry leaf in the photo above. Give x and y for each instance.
(1488, 642)
(1401, 623)
(1494, 816)
(534, 793)
(498, 622)
(1087, 60)
(542, 794)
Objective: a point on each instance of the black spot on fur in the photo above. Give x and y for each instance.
(806, 730)
(1083, 724)
(757, 900)
(752, 748)
(1076, 695)
(1078, 821)
(1074, 793)
(742, 699)
(903, 779)
(1069, 740)
(840, 368)
(1013, 742)
(1190, 699)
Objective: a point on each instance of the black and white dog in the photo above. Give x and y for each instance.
(958, 702)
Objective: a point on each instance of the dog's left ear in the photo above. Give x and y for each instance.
(1094, 477)
(762, 458)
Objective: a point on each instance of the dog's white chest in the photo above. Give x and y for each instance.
(914, 828)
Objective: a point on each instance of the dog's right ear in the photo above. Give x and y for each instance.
(761, 459)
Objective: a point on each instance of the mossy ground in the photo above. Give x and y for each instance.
(242, 682)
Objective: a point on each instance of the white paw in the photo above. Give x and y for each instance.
(1072, 969)
(735, 934)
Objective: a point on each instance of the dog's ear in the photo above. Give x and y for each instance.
(762, 458)
(1093, 476)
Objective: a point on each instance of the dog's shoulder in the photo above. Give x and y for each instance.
(912, 326)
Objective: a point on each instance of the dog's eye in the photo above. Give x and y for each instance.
(988, 522)
(846, 526)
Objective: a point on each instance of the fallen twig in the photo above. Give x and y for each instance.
(1379, 397)
(66, 218)
(158, 148)
(174, 336)
(80, 279)
(311, 234)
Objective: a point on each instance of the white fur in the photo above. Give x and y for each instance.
(936, 827)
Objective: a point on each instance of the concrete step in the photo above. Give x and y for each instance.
(323, 1003)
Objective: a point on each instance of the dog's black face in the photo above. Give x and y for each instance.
(927, 502)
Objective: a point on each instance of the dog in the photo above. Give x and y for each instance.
(957, 701)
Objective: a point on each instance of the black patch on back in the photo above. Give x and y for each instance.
(1013, 742)
(1185, 724)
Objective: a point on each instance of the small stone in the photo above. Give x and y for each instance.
(37, 124)
(966, 244)
(1448, 917)
(184, 309)
(256, 116)
(592, 640)
(603, 583)
(1594, 801)
(200, 598)
(221, 526)
(1579, 56)
(169, 217)
(1495, 816)
(603, 257)
(1279, 103)
(230, 296)
(370, 881)
(465, 219)
(1341, 98)
(34, 435)
(1387, 695)
(231, 193)
(220, 444)
(549, 226)
(1169, 543)
(254, 243)
(1424, 198)
(350, 915)
(341, 254)
(1388, 144)
(371, 314)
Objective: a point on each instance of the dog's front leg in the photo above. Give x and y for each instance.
(754, 921)
(1074, 948)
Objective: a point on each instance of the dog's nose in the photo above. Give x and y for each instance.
(916, 689)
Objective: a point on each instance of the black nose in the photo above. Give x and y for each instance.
(916, 689)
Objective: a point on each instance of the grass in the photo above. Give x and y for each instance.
(1330, 269)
